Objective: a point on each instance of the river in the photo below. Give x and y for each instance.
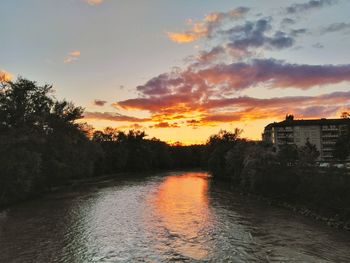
(167, 217)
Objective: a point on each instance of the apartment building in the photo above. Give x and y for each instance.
(321, 132)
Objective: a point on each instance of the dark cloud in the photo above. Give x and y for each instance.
(257, 34)
(297, 32)
(318, 45)
(280, 40)
(212, 55)
(162, 82)
(335, 27)
(308, 6)
(100, 103)
(287, 21)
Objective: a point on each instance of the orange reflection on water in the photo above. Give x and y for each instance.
(181, 205)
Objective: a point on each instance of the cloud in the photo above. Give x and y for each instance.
(275, 74)
(98, 102)
(93, 2)
(207, 26)
(318, 45)
(280, 102)
(72, 56)
(238, 40)
(211, 55)
(308, 6)
(297, 32)
(257, 34)
(165, 125)
(247, 40)
(199, 110)
(206, 92)
(186, 37)
(248, 108)
(194, 92)
(111, 116)
(335, 27)
(5, 76)
(287, 21)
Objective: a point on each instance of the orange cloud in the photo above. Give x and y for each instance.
(193, 112)
(207, 26)
(72, 56)
(166, 125)
(183, 37)
(5, 76)
(93, 2)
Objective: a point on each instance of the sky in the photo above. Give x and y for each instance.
(183, 70)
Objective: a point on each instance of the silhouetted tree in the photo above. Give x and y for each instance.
(40, 142)
(217, 147)
(308, 154)
(288, 154)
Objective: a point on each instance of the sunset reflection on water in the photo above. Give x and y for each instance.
(181, 206)
(168, 217)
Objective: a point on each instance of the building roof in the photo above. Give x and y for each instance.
(322, 121)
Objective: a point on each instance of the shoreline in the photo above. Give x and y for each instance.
(301, 209)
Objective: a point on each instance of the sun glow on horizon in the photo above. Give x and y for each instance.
(187, 76)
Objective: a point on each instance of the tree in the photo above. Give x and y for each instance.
(308, 154)
(41, 142)
(217, 147)
(288, 154)
(234, 160)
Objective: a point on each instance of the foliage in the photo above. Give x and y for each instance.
(41, 143)
(307, 154)
(218, 146)
(291, 174)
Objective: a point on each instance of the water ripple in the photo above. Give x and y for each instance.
(174, 217)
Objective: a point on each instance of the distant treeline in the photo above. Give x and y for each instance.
(42, 146)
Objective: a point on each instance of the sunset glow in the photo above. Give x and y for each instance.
(182, 71)
(181, 204)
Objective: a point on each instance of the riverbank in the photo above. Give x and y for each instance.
(330, 220)
(327, 218)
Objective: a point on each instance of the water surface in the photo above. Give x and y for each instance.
(172, 217)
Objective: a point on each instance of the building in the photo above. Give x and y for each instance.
(321, 132)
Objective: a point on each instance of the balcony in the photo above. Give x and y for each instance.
(328, 149)
(330, 135)
(328, 142)
(329, 128)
